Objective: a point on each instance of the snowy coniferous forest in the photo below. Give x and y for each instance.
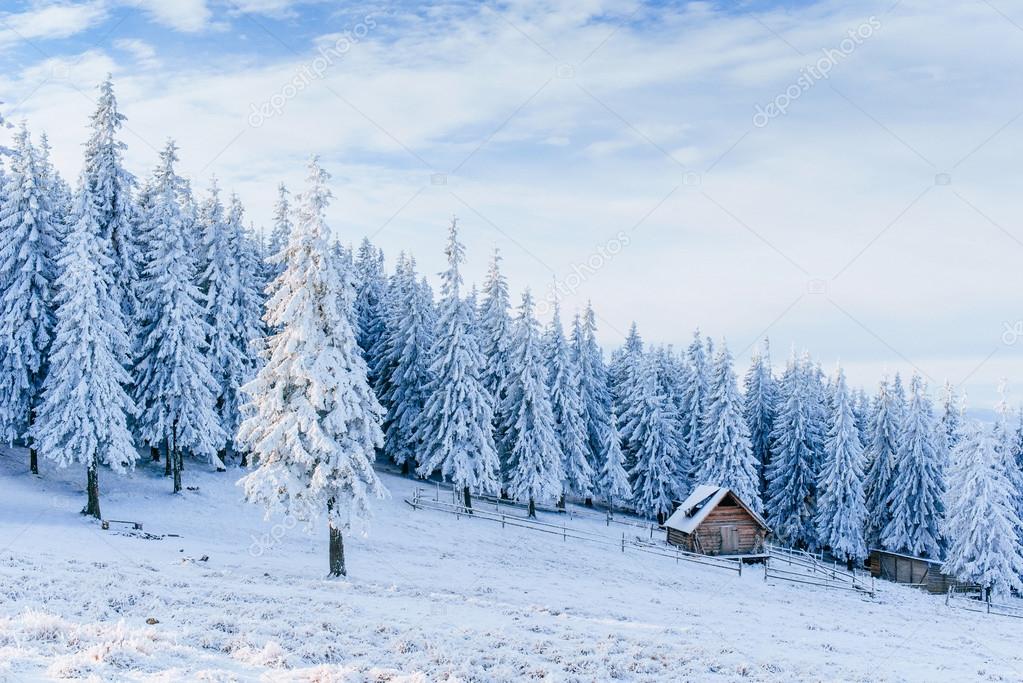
(146, 323)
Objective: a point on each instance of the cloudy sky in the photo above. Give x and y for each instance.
(843, 177)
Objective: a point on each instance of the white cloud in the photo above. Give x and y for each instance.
(829, 185)
(142, 52)
(50, 21)
(182, 15)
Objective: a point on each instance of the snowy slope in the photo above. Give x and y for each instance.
(430, 597)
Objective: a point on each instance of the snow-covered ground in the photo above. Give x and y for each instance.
(429, 598)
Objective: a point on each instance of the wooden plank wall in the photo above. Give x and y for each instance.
(707, 537)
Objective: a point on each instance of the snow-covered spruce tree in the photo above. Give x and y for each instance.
(105, 178)
(951, 415)
(622, 372)
(841, 510)
(494, 324)
(535, 465)
(792, 472)
(759, 403)
(391, 313)
(879, 454)
(408, 356)
(220, 284)
(563, 380)
(371, 285)
(280, 233)
(1004, 440)
(727, 455)
(593, 390)
(917, 488)
(174, 389)
(455, 424)
(982, 522)
(613, 481)
(62, 201)
(82, 418)
(28, 248)
(673, 378)
(694, 399)
(650, 444)
(312, 422)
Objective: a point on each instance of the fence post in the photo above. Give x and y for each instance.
(766, 561)
(740, 567)
(502, 521)
(564, 532)
(623, 541)
(608, 518)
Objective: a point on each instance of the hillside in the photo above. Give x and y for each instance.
(430, 597)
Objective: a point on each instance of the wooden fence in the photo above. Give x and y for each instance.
(800, 566)
(508, 518)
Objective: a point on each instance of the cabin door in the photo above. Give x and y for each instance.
(729, 540)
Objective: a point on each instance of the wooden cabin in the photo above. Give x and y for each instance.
(920, 572)
(715, 521)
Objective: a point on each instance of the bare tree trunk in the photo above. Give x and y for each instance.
(92, 488)
(405, 468)
(337, 546)
(154, 453)
(175, 455)
(33, 456)
(532, 508)
(245, 459)
(561, 501)
(588, 502)
(167, 464)
(467, 497)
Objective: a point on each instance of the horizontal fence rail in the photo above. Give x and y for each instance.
(509, 519)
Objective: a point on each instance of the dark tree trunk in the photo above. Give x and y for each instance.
(850, 564)
(504, 494)
(92, 487)
(561, 502)
(167, 464)
(245, 459)
(467, 497)
(154, 453)
(224, 455)
(532, 508)
(175, 455)
(588, 502)
(660, 518)
(33, 456)
(337, 545)
(405, 468)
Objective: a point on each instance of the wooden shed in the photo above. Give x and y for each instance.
(715, 521)
(914, 571)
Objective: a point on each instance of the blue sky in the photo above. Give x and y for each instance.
(620, 151)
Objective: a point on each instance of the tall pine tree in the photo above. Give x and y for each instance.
(29, 241)
(312, 421)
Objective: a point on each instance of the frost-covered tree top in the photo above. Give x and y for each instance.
(563, 379)
(535, 463)
(760, 400)
(725, 449)
(951, 415)
(455, 425)
(174, 389)
(495, 326)
(695, 394)
(105, 178)
(281, 231)
(312, 421)
(28, 247)
(841, 512)
(83, 415)
(915, 499)
(982, 524)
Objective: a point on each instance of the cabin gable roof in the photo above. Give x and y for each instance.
(695, 509)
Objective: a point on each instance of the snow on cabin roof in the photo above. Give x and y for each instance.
(694, 509)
